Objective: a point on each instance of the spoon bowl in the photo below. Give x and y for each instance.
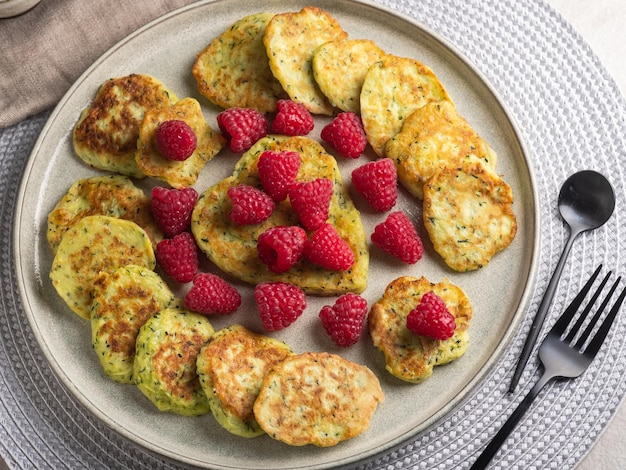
(586, 202)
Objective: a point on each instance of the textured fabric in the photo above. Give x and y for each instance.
(55, 42)
(571, 116)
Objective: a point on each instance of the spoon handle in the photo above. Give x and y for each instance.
(541, 312)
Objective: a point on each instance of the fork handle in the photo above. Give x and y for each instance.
(506, 429)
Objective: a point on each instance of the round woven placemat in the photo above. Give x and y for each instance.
(571, 115)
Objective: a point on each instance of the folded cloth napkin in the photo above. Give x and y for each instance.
(47, 48)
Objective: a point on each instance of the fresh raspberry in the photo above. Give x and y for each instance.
(311, 201)
(176, 140)
(397, 236)
(346, 135)
(431, 318)
(281, 247)
(172, 208)
(376, 182)
(277, 172)
(250, 205)
(178, 257)
(279, 303)
(327, 249)
(345, 319)
(210, 294)
(242, 127)
(292, 119)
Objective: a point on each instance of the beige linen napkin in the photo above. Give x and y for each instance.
(43, 51)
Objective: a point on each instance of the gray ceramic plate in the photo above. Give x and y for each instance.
(499, 293)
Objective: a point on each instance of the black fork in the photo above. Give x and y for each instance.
(564, 354)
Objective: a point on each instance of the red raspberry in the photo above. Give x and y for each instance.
(178, 257)
(250, 205)
(431, 318)
(210, 294)
(242, 127)
(311, 201)
(281, 247)
(277, 172)
(279, 303)
(292, 119)
(176, 140)
(397, 236)
(376, 182)
(345, 319)
(346, 135)
(172, 208)
(327, 249)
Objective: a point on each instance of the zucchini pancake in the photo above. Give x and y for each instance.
(168, 345)
(105, 136)
(123, 300)
(114, 196)
(178, 174)
(392, 89)
(96, 243)
(290, 41)
(233, 70)
(468, 215)
(317, 398)
(435, 137)
(408, 356)
(339, 68)
(233, 248)
(231, 368)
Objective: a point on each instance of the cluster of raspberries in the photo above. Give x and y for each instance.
(281, 247)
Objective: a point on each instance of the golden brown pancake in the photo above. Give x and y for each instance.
(434, 137)
(123, 300)
(290, 40)
(317, 398)
(106, 134)
(96, 243)
(468, 215)
(408, 356)
(178, 174)
(231, 368)
(114, 196)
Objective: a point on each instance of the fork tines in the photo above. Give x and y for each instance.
(568, 315)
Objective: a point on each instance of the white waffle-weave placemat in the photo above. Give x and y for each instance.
(572, 117)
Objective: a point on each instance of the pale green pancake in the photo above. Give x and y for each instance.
(339, 68)
(123, 300)
(290, 40)
(96, 243)
(233, 70)
(392, 89)
(168, 345)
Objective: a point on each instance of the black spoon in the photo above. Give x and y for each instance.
(586, 202)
